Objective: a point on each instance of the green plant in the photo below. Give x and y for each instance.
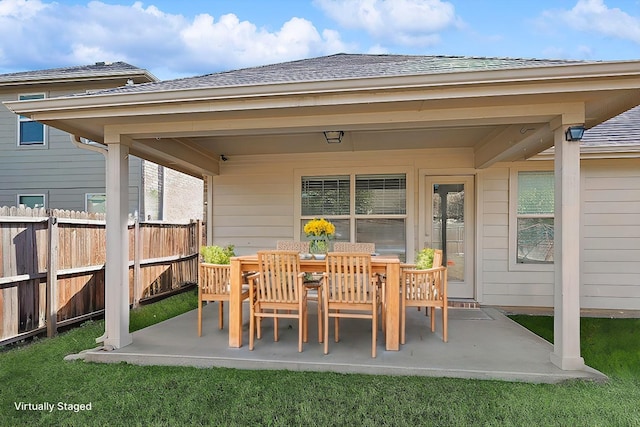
(217, 254)
(424, 260)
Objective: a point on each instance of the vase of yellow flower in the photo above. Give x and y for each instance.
(319, 231)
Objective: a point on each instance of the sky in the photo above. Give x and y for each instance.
(174, 39)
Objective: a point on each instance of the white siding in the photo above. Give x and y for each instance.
(610, 240)
(254, 196)
(499, 285)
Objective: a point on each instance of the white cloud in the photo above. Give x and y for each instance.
(403, 22)
(594, 16)
(46, 35)
(231, 42)
(22, 9)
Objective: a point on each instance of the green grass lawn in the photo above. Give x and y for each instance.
(123, 395)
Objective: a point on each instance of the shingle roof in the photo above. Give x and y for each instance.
(99, 69)
(623, 129)
(342, 66)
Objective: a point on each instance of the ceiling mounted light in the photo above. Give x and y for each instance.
(333, 136)
(574, 133)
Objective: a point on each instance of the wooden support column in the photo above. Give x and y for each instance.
(117, 267)
(566, 347)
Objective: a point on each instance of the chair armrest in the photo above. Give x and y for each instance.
(252, 276)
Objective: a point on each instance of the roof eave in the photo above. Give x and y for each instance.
(598, 152)
(476, 79)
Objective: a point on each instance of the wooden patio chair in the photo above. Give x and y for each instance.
(278, 292)
(424, 288)
(312, 285)
(369, 248)
(437, 262)
(292, 245)
(350, 290)
(213, 285)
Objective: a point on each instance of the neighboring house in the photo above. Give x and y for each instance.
(40, 166)
(427, 151)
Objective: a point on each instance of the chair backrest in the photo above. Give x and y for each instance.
(367, 248)
(349, 278)
(425, 285)
(214, 278)
(437, 258)
(292, 245)
(279, 276)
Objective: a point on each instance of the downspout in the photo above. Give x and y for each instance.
(76, 140)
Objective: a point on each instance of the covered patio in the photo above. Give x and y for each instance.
(483, 344)
(255, 134)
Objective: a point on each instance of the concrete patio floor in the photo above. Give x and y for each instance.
(483, 344)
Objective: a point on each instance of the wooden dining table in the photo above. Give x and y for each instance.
(387, 265)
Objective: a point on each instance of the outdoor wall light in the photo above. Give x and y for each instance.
(333, 136)
(574, 133)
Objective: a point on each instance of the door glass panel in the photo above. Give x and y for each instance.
(448, 228)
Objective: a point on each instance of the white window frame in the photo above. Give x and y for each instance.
(352, 173)
(86, 200)
(514, 265)
(44, 198)
(23, 119)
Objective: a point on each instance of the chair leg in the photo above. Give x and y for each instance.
(383, 305)
(320, 334)
(301, 326)
(305, 313)
(445, 319)
(275, 327)
(433, 319)
(199, 317)
(221, 315)
(403, 321)
(259, 328)
(326, 327)
(336, 327)
(374, 332)
(252, 327)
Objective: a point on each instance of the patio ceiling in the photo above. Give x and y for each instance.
(502, 115)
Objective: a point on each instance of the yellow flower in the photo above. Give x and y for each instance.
(319, 227)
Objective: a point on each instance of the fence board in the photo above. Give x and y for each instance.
(29, 294)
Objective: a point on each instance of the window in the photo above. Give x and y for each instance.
(534, 217)
(364, 208)
(31, 200)
(96, 203)
(30, 133)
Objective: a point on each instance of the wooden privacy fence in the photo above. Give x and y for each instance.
(52, 266)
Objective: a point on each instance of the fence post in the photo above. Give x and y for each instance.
(137, 255)
(199, 244)
(52, 278)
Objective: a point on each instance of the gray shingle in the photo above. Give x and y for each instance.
(623, 129)
(98, 69)
(342, 66)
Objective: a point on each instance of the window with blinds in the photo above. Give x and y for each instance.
(364, 208)
(535, 217)
(381, 194)
(325, 195)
